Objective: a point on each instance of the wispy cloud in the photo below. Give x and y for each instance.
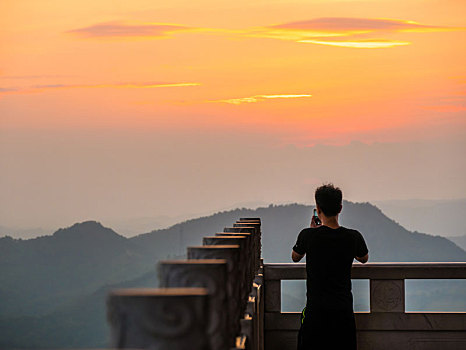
(258, 98)
(47, 87)
(361, 44)
(345, 32)
(126, 29)
(356, 25)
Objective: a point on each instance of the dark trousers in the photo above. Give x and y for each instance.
(329, 330)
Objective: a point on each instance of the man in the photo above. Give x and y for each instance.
(327, 321)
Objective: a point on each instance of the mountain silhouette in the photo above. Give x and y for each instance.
(37, 275)
(59, 282)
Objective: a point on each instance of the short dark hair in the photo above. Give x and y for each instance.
(328, 198)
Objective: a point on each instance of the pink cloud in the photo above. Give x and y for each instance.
(343, 24)
(121, 29)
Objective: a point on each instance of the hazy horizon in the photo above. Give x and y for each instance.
(399, 210)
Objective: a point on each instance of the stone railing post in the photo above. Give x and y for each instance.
(251, 247)
(175, 319)
(243, 255)
(210, 274)
(256, 235)
(231, 254)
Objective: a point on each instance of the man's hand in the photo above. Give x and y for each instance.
(313, 222)
(362, 259)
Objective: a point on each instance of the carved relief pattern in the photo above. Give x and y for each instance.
(174, 319)
(233, 292)
(213, 279)
(159, 321)
(387, 296)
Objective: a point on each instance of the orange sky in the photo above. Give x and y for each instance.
(345, 68)
(85, 82)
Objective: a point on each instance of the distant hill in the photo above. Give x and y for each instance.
(58, 283)
(37, 275)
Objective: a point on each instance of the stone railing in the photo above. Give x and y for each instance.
(213, 300)
(387, 326)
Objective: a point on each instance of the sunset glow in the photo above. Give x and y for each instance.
(178, 64)
(179, 85)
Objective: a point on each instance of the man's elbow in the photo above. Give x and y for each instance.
(363, 259)
(295, 256)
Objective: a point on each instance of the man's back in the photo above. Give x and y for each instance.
(329, 257)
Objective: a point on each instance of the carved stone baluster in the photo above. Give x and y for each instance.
(243, 254)
(249, 244)
(159, 319)
(212, 275)
(251, 248)
(256, 239)
(231, 254)
(255, 221)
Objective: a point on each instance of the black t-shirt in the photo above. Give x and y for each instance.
(329, 257)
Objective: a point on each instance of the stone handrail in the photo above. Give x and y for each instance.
(223, 297)
(213, 300)
(387, 325)
(379, 270)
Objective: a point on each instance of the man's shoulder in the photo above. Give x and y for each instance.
(310, 230)
(351, 231)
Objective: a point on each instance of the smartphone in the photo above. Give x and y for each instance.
(316, 218)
